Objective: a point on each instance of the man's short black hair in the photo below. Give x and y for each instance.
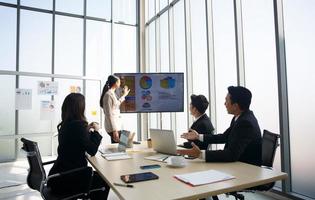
(200, 102)
(240, 95)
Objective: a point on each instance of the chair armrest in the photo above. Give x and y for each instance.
(49, 162)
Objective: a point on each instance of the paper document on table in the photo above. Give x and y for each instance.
(158, 157)
(203, 177)
(116, 156)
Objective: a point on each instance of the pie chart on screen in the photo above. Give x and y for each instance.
(145, 82)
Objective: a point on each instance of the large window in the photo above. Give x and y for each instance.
(65, 46)
(225, 58)
(300, 43)
(35, 46)
(69, 46)
(98, 48)
(180, 64)
(7, 38)
(261, 65)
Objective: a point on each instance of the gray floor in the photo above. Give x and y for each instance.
(15, 173)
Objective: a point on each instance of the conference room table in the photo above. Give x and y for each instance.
(167, 187)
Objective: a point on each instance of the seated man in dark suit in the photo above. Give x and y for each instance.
(202, 123)
(242, 139)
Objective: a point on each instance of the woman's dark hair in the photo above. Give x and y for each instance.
(240, 95)
(73, 108)
(111, 80)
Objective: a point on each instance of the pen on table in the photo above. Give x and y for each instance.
(123, 185)
(165, 158)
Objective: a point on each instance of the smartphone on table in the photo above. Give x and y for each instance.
(150, 166)
(131, 178)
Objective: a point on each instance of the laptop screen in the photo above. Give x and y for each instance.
(124, 135)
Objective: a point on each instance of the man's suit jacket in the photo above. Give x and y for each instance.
(242, 140)
(203, 126)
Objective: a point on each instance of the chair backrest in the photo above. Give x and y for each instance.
(36, 172)
(269, 146)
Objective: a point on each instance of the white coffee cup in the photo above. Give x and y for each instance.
(177, 161)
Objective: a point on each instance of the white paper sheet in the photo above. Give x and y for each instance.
(23, 99)
(204, 177)
(47, 110)
(47, 88)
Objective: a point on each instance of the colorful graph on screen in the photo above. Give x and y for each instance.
(145, 82)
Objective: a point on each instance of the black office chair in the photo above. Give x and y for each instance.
(37, 180)
(270, 142)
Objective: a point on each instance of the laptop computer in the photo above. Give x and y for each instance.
(163, 142)
(123, 143)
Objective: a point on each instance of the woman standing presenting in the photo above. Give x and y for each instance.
(110, 104)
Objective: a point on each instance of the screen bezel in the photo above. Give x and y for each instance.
(156, 73)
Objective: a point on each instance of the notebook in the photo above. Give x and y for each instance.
(203, 177)
(116, 156)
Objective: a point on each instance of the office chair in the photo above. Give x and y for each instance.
(270, 142)
(37, 180)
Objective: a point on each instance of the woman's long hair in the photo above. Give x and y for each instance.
(73, 108)
(111, 80)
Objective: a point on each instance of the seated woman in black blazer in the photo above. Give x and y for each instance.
(75, 139)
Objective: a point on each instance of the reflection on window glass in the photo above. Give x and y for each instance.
(98, 48)
(44, 4)
(70, 6)
(299, 34)
(7, 105)
(99, 8)
(125, 11)
(35, 46)
(29, 120)
(164, 43)
(180, 64)
(261, 65)
(7, 38)
(225, 58)
(7, 150)
(199, 48)
(92, 97)
(65, 87)
(125, 47)
(69, 46)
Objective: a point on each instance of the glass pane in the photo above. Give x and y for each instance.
(29, 120)
(152, 51)
(130, 123)
(8, 1)
(7, 105)
(44, 145)
(151, 8)
(199, 47)
(98, 48)
(300, 42)
(163, 4)
(225, 58)
(35, 42)
(70, 6)
(164, 39)
(99, 8)
(44, 4)
(180, 65)
(69, 46)
(125, 59)
(7, 38)
(7, 150)
(93, 110)
(261, 65)
(65, 87)
(125, 11)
